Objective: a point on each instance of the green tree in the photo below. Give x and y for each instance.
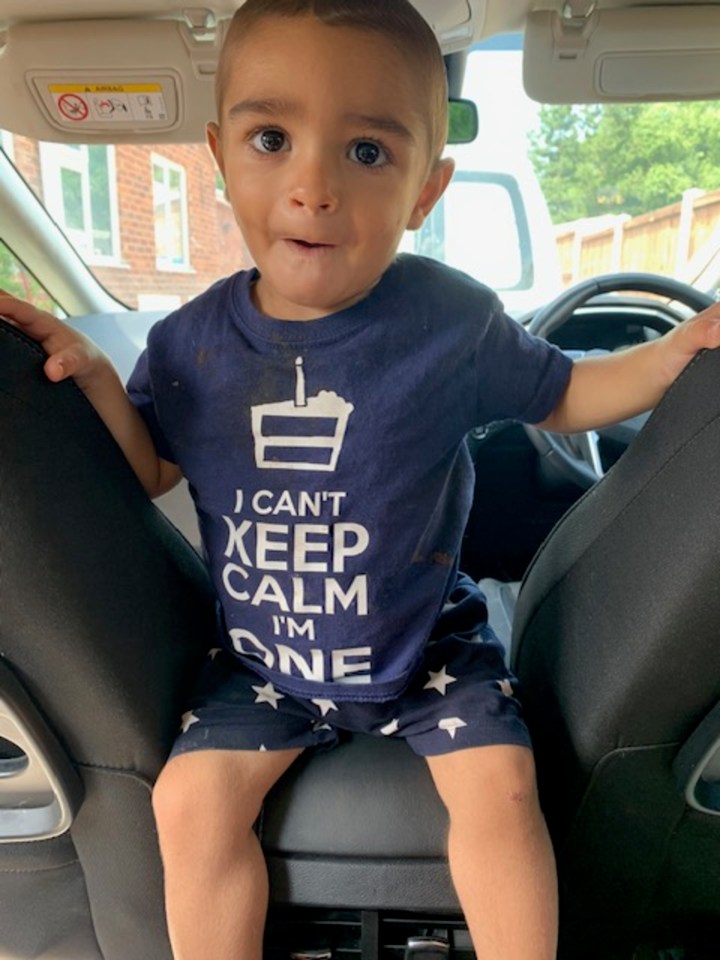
(620, 158)
(20, 283)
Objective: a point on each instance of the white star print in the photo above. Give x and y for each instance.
(262, 748)
(505, 687)
(451, 725)
(268, 694)
(324, 706)
(188, 719)
(321, 726)
(439, 680)
(390, 728)
(214, 652)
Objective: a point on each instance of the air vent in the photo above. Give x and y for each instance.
(358, 934)
(306, 931)
(395, 930)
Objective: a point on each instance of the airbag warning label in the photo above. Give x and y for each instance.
(109, 102)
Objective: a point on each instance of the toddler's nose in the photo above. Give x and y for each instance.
(315, 185)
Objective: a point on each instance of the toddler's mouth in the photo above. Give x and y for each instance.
(308, 245)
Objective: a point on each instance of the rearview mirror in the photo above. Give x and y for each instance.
(462, 121)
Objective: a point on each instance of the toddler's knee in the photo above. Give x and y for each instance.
(515, 783)
(512, 803)
(173, 801)
(196, 794)
(491, 787)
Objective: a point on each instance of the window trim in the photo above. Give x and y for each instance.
(166, 165)
(7, 142)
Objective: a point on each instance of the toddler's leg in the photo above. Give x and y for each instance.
(501, 858)
(205, 804)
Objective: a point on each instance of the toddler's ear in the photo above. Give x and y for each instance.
(212, 134)
(431, 192)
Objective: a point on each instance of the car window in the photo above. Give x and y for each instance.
(16, 279)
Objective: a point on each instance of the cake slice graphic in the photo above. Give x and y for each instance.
(305, 433)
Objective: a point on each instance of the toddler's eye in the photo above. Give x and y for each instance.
(269, 141)
(368, 153)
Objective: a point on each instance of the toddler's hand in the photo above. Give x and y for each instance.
(699, 333)
(70, 354)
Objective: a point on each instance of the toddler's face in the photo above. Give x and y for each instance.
(324, 146)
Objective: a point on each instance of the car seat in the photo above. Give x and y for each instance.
(105, 612)
(617, 648)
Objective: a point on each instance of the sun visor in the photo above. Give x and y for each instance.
(624, 54)
(114, 80)
(141, 80)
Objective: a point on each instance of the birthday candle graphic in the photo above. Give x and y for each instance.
(305, 433)
(300, 400)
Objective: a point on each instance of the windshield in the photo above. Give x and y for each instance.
(546, 196)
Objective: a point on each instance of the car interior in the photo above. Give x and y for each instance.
(598, 554)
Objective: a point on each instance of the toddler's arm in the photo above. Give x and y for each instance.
(70, 354)
(616, 386)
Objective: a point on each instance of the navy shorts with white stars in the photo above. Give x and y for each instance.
(462, 696)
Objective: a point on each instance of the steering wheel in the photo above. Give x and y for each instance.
(577, 456)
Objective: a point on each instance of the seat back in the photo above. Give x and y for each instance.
(617, 647)
(104, 613)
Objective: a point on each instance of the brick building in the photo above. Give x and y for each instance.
(150, 221)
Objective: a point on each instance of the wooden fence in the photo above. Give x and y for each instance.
(677, 240)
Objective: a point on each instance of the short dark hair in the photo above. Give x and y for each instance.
(398, 20)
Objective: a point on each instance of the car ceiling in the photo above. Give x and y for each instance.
(491, 16)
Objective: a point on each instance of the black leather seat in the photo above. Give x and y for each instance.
(105, 610)
(617, 646)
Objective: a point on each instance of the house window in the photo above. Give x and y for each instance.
(171, 217)
(79, 187)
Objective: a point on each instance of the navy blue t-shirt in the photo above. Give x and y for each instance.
(328, 464)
